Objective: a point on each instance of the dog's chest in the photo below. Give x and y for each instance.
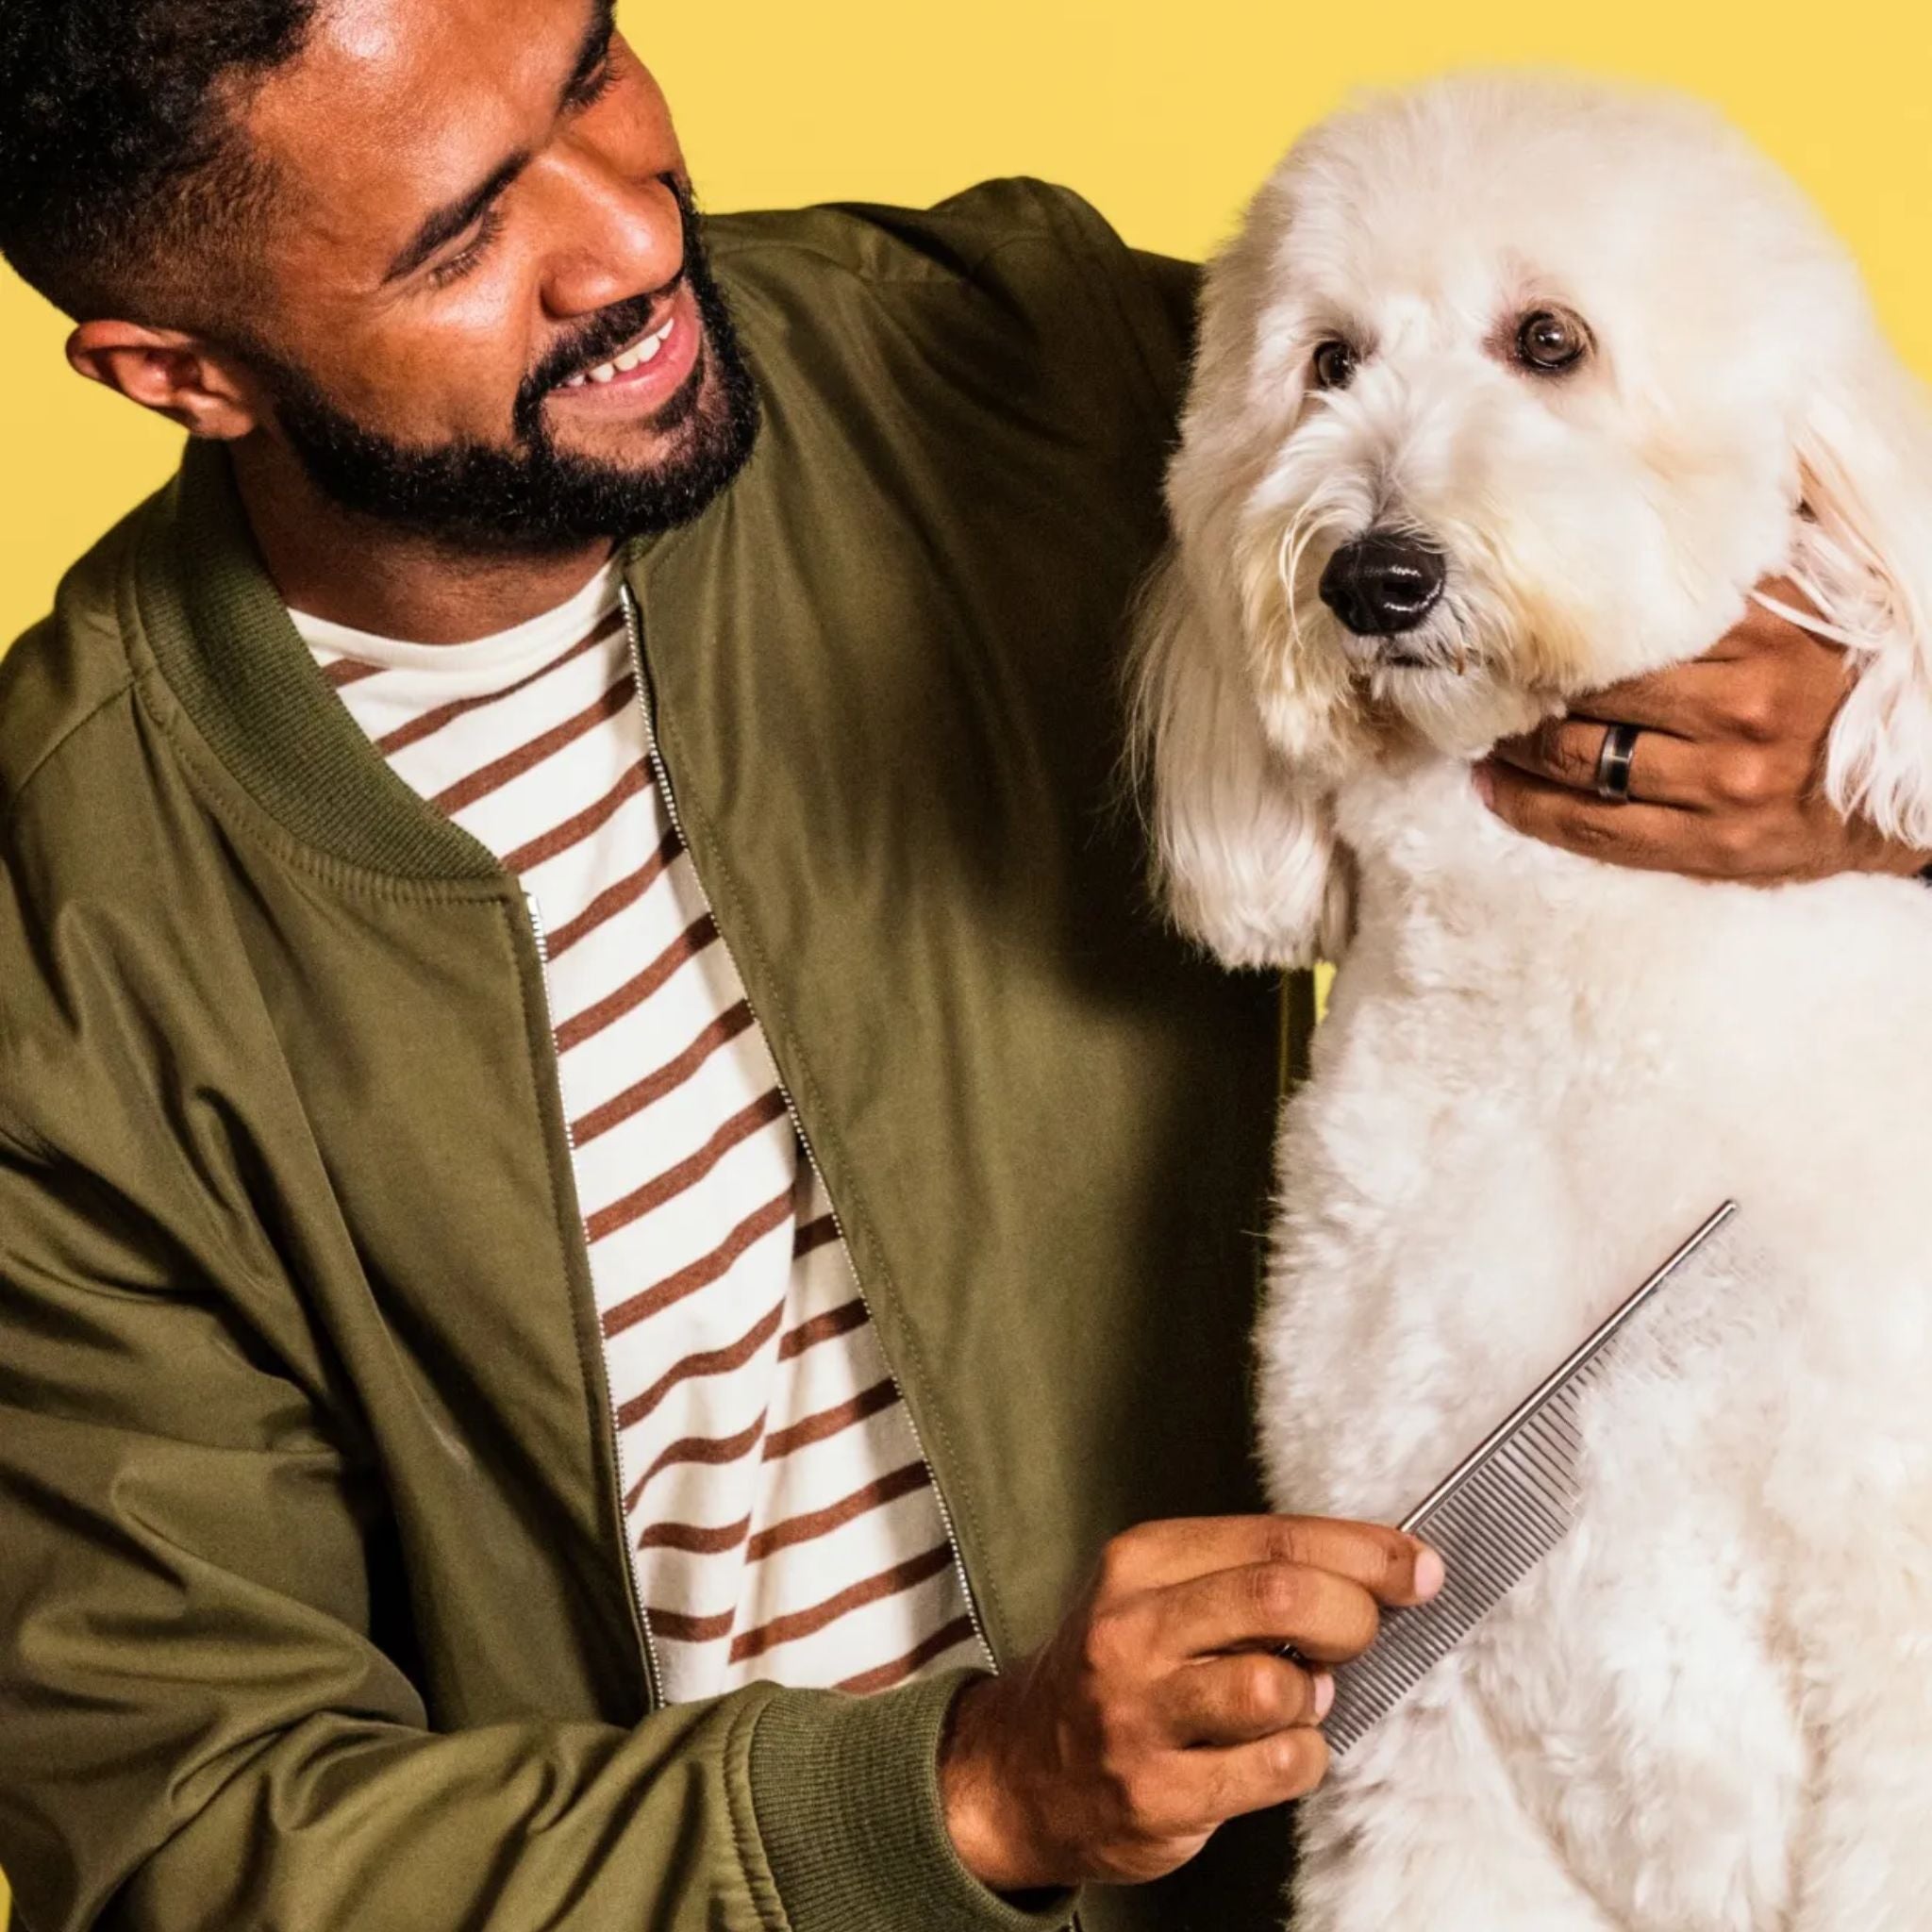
(1537, 1077)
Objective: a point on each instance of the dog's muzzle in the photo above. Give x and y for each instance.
(1383, 584)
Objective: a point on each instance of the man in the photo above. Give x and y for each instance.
(608, 1196)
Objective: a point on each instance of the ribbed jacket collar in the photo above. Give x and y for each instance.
(224, 641)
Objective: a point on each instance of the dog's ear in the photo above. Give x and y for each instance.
(1244, 850)
(1864, 552)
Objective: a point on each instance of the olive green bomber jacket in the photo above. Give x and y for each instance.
(314, 1606)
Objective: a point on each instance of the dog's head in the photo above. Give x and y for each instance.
(1506, 390)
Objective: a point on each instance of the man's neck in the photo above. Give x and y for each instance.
(354, 571)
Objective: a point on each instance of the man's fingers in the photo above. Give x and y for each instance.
(1687, 701)
(1328, 1619)
(1259, 1777)
(1649, 838)
(1566, 751)
(1764, 678)
(1663, 770)
(1234, 1700)
(1159, 1554)
(1200, 1790)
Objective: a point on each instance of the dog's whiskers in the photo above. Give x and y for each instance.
(1302, 529)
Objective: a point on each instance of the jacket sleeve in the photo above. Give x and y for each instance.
(200, 1725)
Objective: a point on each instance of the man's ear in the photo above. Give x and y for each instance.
(176, 375)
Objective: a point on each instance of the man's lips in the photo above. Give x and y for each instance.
(648, 370)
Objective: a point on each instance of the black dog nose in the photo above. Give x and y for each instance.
(1382, 583)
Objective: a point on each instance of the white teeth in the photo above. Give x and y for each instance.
(646, 351)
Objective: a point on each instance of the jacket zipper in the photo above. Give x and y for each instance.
(660, 776)
(654, 1679)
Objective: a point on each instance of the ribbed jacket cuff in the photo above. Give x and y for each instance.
(846, 1791)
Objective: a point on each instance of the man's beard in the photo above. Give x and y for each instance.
(534, 496)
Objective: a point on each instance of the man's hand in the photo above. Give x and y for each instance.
(1162, 1708)
(1727, 779)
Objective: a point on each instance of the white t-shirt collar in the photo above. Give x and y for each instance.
(487, 663)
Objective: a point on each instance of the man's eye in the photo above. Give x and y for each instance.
(454, 267)
(594, 86)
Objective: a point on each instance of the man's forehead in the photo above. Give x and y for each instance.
(394, 107)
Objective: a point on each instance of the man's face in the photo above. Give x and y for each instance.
(483, 218)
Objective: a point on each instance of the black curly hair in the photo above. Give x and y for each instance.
(126, 189)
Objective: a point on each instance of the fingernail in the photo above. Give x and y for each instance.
(1324, 1695)
(1485, 782)
(1429, 1575)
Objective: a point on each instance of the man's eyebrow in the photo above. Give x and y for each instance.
(449, 221)
(593, 53)
(446, 222)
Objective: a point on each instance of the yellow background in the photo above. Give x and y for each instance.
(1165, 116)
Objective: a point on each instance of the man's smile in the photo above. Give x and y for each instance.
(648, 371)
(642, 348)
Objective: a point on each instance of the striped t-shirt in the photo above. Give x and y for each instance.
(783, 1524)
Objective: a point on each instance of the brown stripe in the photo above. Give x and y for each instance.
(814, 1234)
(840, 1320)
(633, 1100)
(713, 1361)
(608, 904)
(684, 1629)
(574, 830)
(693, 1537)
(526, 757)
(701, 1273)
(631, 995)
(902, 1577)
(348, 670)
(818, 1523)
(688, 1173)
(426, 724)
(828, 1422)
(712, 1451)
(886, 1675)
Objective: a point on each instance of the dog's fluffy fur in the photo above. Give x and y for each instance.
(1712, 1706)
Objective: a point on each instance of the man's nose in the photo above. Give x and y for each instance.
(617, 236)
(1383, 583)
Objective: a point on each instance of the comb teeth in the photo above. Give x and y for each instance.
(1492, 1532)
(1493, 1522)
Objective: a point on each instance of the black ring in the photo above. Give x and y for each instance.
(1615, 761)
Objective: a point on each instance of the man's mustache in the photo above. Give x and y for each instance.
(599, 339)
(612, 329)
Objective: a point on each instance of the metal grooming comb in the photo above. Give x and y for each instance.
(1494, 1518)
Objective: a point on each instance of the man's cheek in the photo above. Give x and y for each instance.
(436, 389)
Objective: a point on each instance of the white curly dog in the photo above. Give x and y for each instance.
(1509, 388)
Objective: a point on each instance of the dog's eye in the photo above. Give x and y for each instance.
(1550, 341)
(1334, 365)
